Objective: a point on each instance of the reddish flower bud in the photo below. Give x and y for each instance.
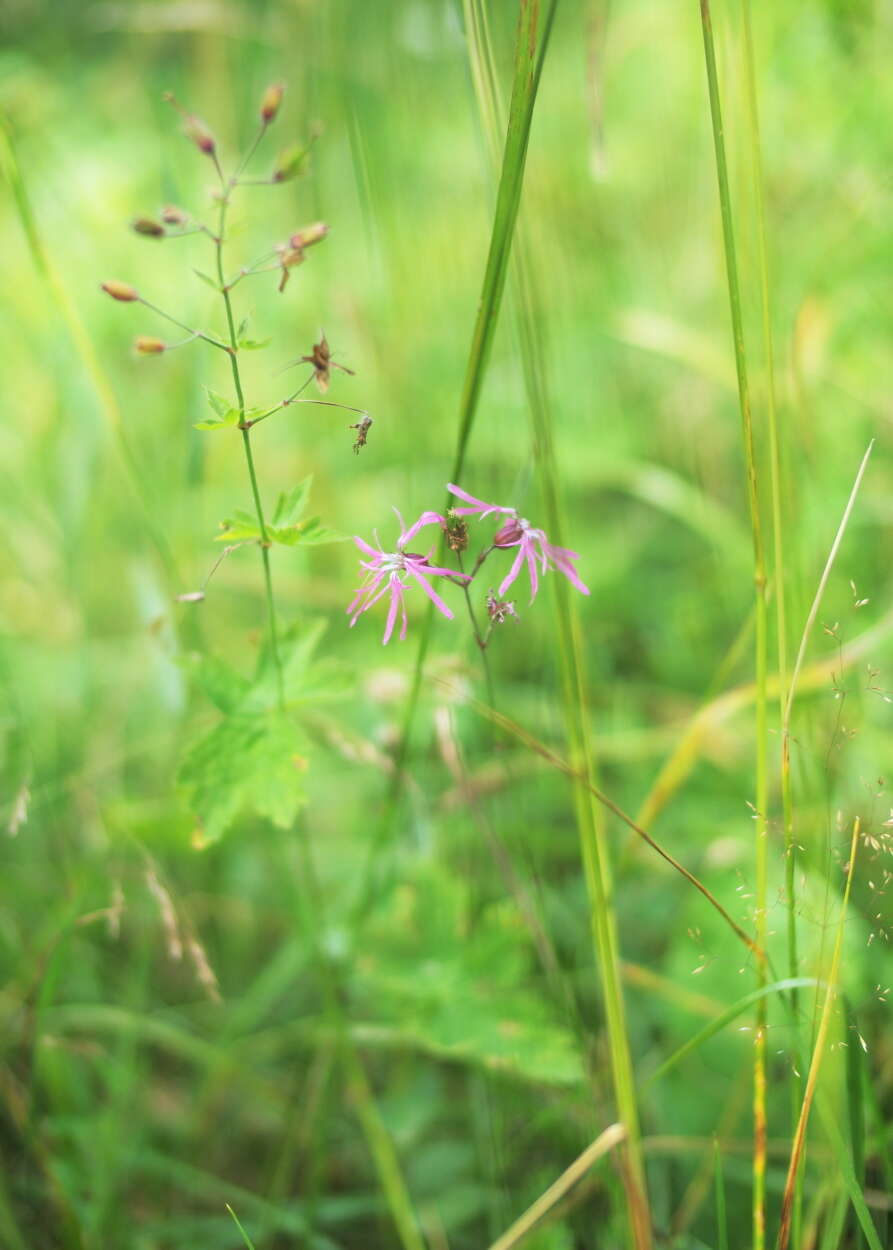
(200, 135)
(120, 291)
(291, 161)
(272, 98)
(149, 227)
(510, 534)
(174, 216)
(145, 346)
(308, 235)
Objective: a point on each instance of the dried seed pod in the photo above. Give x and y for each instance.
(144, 345)
(148, 226)
(120, 291)
(308, 235)
(272, 98)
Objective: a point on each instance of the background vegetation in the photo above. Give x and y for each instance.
(383, 1023)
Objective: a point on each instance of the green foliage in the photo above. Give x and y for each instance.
(255, 760)
(286, 527)
(471, 1002)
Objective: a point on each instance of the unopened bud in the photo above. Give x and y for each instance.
(121, 291)
(290, 162)
(174, 216)
(272, 98)
(200, 135)
(146, 346)
(308, 235)
(149, 227)
(510, 534)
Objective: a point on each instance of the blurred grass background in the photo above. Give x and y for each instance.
(139, 1095)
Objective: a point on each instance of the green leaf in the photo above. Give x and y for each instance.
(475, 1002)
(243, 326)
(307, 533)
(254, 761)
(247, 763)
(205, 277)
(291, 505)
(219, 404)
(241, 527)
(253, 345)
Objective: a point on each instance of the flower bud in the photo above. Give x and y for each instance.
(272, 98)
(308, 235)
(200, 135)
(290, 162)
(174, 216)
(146, 346)
(120, 291)
(149, 227)
(510, 534)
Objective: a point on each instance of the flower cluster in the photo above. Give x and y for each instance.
(392, 573)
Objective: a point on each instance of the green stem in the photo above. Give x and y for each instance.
(246, 443)
(594, 846)
(753, 117)
(759, 564)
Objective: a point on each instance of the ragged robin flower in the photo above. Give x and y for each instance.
(392, 573)
(533, 546)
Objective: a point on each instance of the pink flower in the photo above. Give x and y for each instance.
(533, 546)
(392, 572)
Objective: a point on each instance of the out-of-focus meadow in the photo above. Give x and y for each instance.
(382, 1024)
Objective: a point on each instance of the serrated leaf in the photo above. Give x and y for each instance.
(242, 526)
(249, 763)
(471, 1001)
(219, 404)
(255, 759)
(309, 533)
(205, 277)
(291, 504)
(253, 345)
(225, 687)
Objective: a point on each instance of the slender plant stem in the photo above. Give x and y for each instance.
(246, 440)
(760, 620)
(530, 48)
(590, 819)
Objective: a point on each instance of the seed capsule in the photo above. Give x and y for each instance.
(174, 216)
(272, 98)
(308, 235)
(149, 227)
(120, 291)
(146, 346)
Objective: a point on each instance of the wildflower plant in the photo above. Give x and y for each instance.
(255, 758)
(393, 573)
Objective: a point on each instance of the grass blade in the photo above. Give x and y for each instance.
(247, 1240)
(818, 1055)
(605, 1142)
